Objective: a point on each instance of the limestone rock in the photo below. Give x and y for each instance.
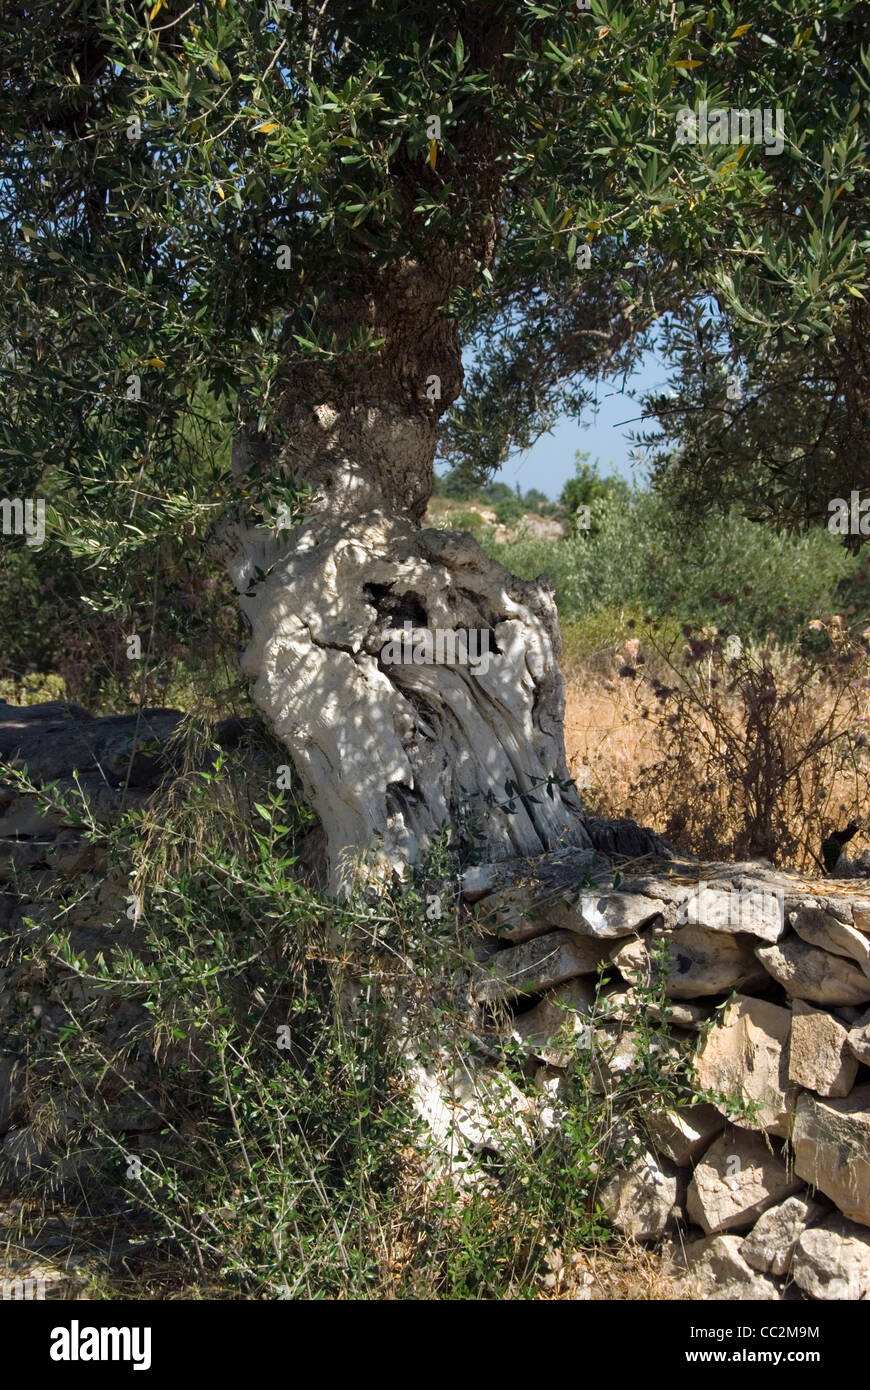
(859, 1038)
(617, 1004)
(520, 913)
(737, 1179)
(537, 965)
(555, 1090)
(551, 873)
(832, 1261)
(53, 745)
(25, 1280)
(698, 962)
(625, 1005)
(848, 902)
(612, 1057)
(822, 929)
(746, 1056)
(809, 973)
(819, 1056)
(490, 1110)
(861, 915)
(640, 1199)
(551, 1030)
(771, 1243)
(613, 914)
(24, 817)
(632, 959)
(532, 906)
(831, 1142)
(21, 856)
(681, 1013)
(544, 528)
(469, 1112)
(756, 911)
(479, 881)
(683, 1134)
(716, 1270)
(38, 714)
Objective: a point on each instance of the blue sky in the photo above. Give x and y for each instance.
(603, 432)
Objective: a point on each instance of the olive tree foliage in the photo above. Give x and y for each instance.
(285, 223)
(777, 423)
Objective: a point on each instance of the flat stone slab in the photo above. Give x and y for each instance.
(745, 1058)
(819, 927)
(738, 1178)
(683, 1134)
(582, 890)
(820, 1058)
(536, 965)
(820, 977)
(716, 1270)
(831, 1141)
(51, 748)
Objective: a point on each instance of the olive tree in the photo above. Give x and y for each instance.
(354, 234)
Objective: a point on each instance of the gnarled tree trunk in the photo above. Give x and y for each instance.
(391, 753)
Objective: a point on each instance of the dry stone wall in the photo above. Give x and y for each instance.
(761, 1190)
(102, 767)
(765, 1192)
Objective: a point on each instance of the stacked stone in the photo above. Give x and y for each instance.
(762, 1191)
(100, 767)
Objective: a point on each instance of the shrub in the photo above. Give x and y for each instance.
(464, 520)
(729, 571)
(509, 510)
(756, 751)
(236, 1090)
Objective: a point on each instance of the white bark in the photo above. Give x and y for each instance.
(389, 754)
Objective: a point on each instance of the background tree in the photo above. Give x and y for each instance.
(778, 424)
(288, 223)
(534, 500)
(587, 486)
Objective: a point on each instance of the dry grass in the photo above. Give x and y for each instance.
(687, 774)
(606, 741)
(625, 1273)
